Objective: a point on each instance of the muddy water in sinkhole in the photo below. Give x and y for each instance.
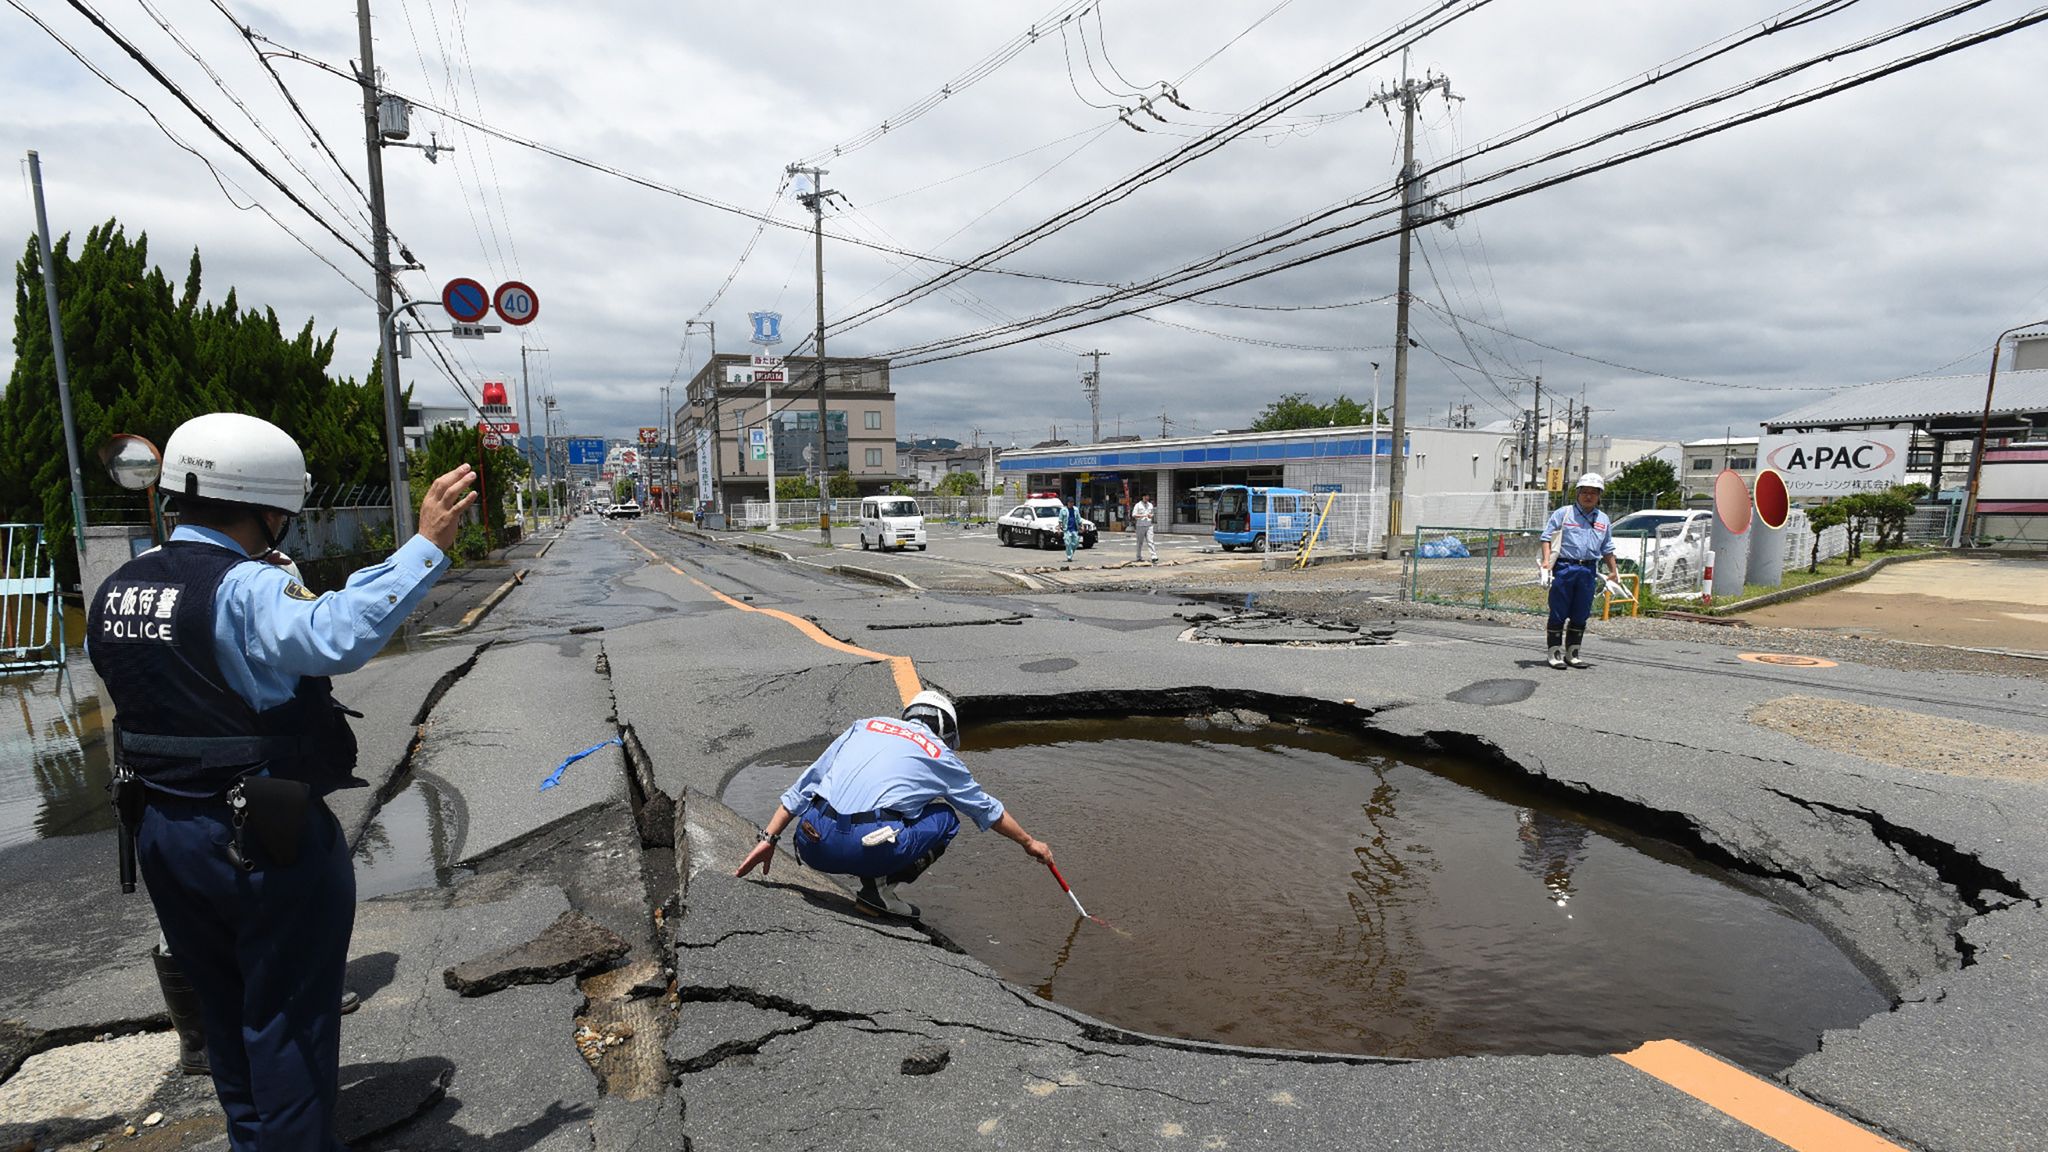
(1297, 888)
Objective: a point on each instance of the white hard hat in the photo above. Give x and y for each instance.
(238, 459)
(1592, 480)
(935, 711)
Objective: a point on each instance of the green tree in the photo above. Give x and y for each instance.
(902, 488)
(843, 485)
(1820, 518)
(145, 355)
(1296, 410)
(501, 470)
(796, 488)
(958, 484)
(623, 489)
(1649, 476)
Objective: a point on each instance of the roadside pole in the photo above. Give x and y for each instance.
(35, 168)
(380, 258)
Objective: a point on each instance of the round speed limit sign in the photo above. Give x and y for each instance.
(516, 303)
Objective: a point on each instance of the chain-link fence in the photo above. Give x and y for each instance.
(1339, 526)
(1517, 509)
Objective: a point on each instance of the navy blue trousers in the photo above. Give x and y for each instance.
(1571, 594)
(838, 849)
(266, 951)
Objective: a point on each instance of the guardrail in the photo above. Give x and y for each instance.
(31, 615)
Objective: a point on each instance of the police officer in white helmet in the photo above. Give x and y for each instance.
(1582, 536)
(879, 805)
(227, 734)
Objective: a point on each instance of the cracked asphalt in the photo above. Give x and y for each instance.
(765, 1013)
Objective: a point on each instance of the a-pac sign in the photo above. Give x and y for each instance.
(1837, 463)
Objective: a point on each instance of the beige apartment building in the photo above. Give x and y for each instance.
(860, 425)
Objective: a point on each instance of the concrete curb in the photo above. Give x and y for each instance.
(475, 615)
(876, 576)
(1829, 584)
(765, 550)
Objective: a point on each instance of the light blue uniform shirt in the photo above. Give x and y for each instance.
(265, 638)
(884, 762)
(1580, 537)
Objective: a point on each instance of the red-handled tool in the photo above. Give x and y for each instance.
(1068, 889)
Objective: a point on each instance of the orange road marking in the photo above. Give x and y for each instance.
(1789, 1119)
(901, 668)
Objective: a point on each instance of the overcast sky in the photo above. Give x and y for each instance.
(1889, 230)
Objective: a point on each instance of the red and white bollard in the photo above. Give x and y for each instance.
(1707, 580)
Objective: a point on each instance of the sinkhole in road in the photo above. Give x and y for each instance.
(1293, 887)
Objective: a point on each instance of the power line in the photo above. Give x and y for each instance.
(1330, 75)
(171, 86)
(1238, 255)
(220, 181)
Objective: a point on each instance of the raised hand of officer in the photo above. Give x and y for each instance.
(446, 500)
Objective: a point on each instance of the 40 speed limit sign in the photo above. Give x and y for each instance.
(516, 303)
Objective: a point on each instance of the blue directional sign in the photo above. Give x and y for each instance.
(767, 327)
(586, 450)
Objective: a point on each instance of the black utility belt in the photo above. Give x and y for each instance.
(867, 817)
(272, 807)
(1580, 563)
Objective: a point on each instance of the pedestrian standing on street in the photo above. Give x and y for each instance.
(1583, 537)
(227, 737)
(879, 805)
(1070, 525)
(1141, 523)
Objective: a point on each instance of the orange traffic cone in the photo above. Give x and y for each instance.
(1500, 546)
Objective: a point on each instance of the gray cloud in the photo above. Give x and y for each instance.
(1875, 234)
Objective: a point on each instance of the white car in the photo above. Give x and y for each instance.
(891, 522)
(630, 510)
(1664, 545)
(1036, 524)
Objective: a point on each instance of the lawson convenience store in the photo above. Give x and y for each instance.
(1107, 478)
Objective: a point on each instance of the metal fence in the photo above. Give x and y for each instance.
(1512, 509)
(320, 533)
(846, 510)
(1340, 526)
(1477, 568)
(31, 615)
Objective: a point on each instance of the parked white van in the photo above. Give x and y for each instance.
(891, 522)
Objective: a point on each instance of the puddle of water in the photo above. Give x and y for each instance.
(54, 760)
(410, 843)
(1305, 889)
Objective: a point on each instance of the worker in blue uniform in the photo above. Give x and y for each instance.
(227, 736)
(1577, 538)
(880, 805)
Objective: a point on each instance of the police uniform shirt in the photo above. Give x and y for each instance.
(883, 762)
(1582, 538)
(269, 630)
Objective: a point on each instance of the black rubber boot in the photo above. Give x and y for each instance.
(1573, 637)
(1554, 638)
(183, 1001)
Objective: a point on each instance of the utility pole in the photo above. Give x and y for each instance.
(526, 404)
(1409, 94)
(1570, 422)
(815, 201)
(1163, 422)
(35, 169)
(1091, 384)
(380, 258)
(1536, 432)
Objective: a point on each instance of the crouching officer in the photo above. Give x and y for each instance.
(1582, 537)
(217, 664)
(879, 805)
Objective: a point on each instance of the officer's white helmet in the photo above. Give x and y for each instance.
(1592, 480)
(935, 712)
(235, 458)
